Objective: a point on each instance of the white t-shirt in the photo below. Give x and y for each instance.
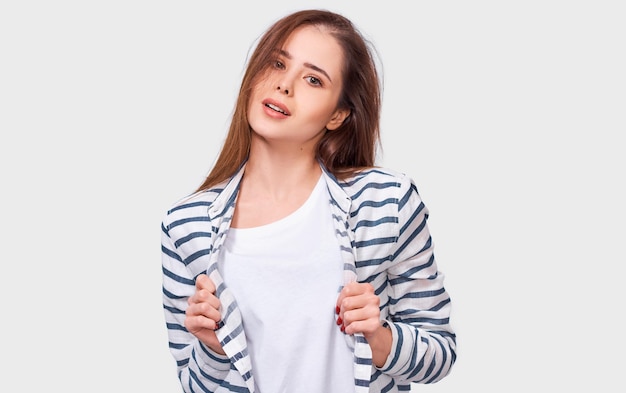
(285, 277)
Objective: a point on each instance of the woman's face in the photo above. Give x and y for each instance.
(296, 100)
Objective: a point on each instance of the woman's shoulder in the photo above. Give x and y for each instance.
(192, 205)
(377, 178)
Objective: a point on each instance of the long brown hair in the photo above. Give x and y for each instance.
(345, 150)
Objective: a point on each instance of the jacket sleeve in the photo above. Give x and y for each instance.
(199, 368)
(424, 344)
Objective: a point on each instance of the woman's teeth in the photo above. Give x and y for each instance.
(274, 107)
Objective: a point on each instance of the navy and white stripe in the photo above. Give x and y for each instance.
(381, 224)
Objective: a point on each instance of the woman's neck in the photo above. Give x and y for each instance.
(279, 177)
(273, 187)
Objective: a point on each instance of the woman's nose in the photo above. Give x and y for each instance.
(282, 87)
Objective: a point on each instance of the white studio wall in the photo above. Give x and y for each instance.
(507, 114)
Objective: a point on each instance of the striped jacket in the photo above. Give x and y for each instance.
(380, 222)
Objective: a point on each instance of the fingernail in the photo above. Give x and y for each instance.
(339, 321)
(343, 328)
(336, 309)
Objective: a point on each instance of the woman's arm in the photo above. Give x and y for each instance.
(199, 367)
(423, 342)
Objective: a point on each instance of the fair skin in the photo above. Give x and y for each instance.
(289, 111)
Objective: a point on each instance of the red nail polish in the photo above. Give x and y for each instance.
(343, 328)
(337, 310)
(339, 321)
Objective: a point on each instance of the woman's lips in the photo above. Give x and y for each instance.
(275, 107)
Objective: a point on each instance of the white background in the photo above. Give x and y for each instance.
(509, 116)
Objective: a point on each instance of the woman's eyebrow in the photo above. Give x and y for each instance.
(308, 65)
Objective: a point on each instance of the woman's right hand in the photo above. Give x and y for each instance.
(202, 314)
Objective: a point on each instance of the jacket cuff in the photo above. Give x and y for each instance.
(402, 349)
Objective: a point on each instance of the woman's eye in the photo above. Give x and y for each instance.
(279, 65)
(314, 81)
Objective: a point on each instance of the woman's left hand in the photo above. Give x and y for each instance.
(358, 309)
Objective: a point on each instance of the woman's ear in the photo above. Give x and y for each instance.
(337, 119)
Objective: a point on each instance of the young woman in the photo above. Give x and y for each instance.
(298, 265)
